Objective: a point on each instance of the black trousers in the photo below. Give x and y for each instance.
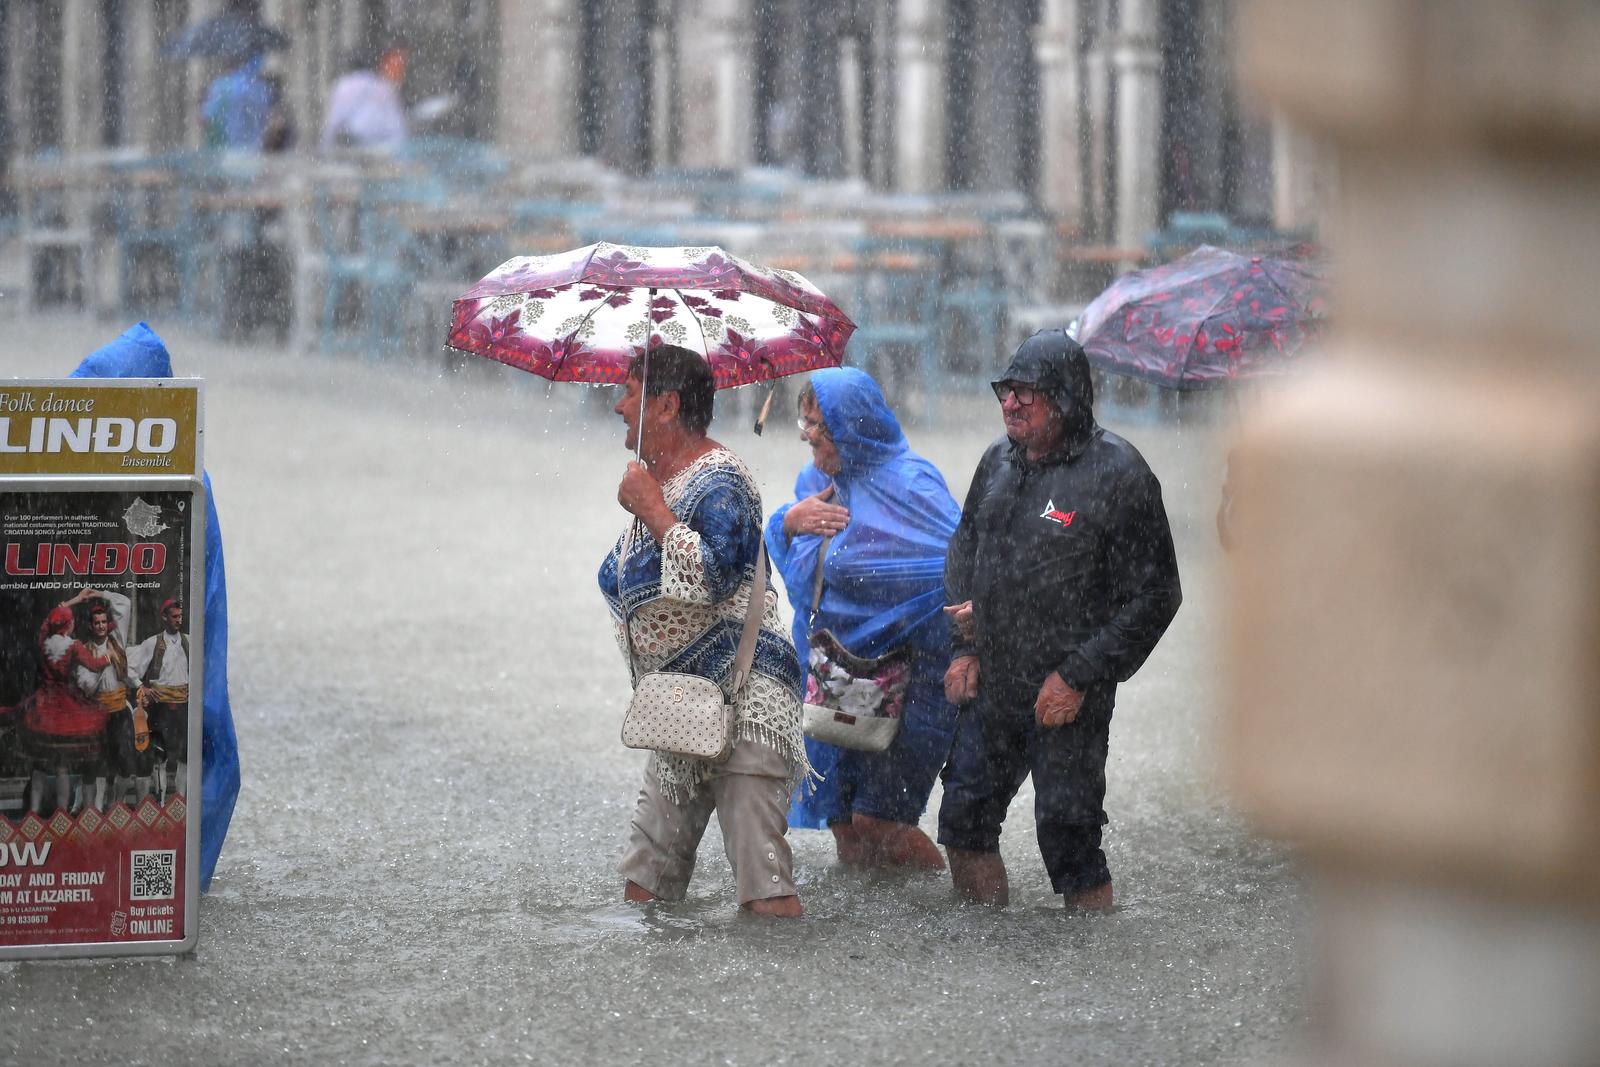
(1002, 744)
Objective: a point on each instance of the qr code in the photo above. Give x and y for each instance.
(155, 874)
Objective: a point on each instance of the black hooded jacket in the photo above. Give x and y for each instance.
(1068, 559)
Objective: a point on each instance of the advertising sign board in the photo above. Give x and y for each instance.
(102, 535)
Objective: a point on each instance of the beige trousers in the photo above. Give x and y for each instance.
(750, 794)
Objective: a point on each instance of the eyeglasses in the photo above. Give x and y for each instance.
(1025, 394)
(809, 428)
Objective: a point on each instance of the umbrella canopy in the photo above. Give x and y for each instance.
(230, 35)
(1206, 319)
(584, 315)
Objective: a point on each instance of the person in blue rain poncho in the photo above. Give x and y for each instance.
(140, 353)
(891, 516)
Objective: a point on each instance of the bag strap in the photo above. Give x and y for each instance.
(752, 622)
(752, 615)
(816, 584)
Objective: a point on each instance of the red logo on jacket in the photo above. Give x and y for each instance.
(1056, 515)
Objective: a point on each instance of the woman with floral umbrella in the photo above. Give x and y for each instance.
(672, 326)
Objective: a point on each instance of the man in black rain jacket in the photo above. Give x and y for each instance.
(1061, 579)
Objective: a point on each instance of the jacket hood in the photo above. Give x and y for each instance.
(138, 353)
(863, 429)
(1054, 363)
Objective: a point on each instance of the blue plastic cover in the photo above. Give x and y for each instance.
(140, 353)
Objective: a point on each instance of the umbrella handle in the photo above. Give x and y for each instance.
(766, 407)
(644, 380)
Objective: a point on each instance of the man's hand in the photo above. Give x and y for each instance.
(961, 680)
(814, 515)
(961, 615)
(1058, 703)
(640, 493)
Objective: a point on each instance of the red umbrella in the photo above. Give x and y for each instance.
(585, 315)
(1206, 319)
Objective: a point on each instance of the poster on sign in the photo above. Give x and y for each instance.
(100, 668)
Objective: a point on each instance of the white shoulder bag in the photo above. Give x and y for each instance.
(689, 714)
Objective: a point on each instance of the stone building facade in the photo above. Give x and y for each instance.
(1108, 114)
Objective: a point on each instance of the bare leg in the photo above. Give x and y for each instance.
(847, 839)
(979, 877)
(1096, 899)
(36, 787)
(64, 797)
(776, 907)
(895, 844)
(635, 893)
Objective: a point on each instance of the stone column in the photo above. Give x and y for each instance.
(1097, 38)
(1055, 45)
(1136, 56)
(717, 45)
(920, 50)
(1414, 695)
(539, 80)
(82, 76)
(1303, 176)
(821, 140)
(999, 107)
(142, 77)
(852, 128)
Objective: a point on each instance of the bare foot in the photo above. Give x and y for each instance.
(637, 894)
(852, 849)
(894, 844)
(1096, 899)
(979, 877)
(776, 907)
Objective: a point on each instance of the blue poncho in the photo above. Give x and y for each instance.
(139, 353)
(883, 581)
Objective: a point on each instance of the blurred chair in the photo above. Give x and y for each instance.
(364, 261)
(56, 227)
(461, 163)
(896, 311)
(625, 232)
(973, 301)
(160, 246)
(1186, 231)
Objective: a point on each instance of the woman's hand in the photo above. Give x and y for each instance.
(640, 493)
(814, 515)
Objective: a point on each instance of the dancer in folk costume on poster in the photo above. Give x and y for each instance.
(160, 671)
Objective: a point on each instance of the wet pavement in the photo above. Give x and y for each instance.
(421, 864)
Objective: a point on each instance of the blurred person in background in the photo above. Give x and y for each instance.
(1061, 577)
(238, 106)
(877, 518)
(365, 109)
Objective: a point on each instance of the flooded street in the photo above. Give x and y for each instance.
(421, 866)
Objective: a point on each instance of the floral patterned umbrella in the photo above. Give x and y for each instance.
(584, 315)
(1206, 319)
